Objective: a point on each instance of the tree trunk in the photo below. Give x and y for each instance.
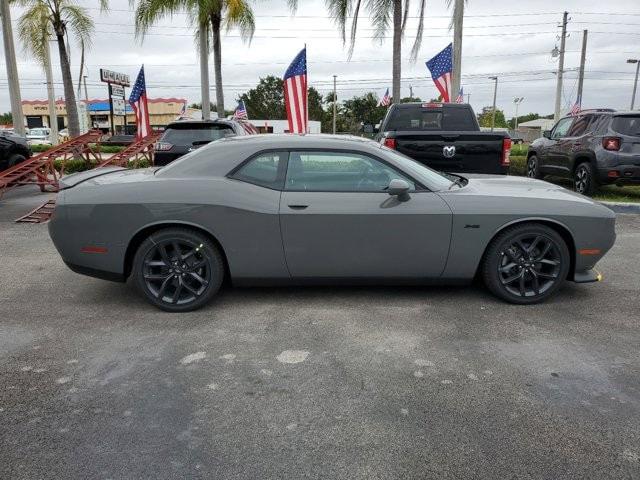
(204, 74)
(217, 63)
(69, 96)
(397, 49)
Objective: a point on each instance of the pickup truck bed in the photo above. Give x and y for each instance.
(445, 137)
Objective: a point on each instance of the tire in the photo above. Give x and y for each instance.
(15, 159)
(533, 167)
(173, 286)
(584, 180)
(519, 252)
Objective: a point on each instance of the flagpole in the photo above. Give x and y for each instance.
(307, 88)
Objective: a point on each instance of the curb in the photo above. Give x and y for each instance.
(623, 207)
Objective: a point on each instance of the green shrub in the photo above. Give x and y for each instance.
(74, 166)
(518, 150)
(40, 148)
(518, 165)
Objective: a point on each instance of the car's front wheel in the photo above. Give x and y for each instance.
(584, 179)
(178, 269)
(526, 263)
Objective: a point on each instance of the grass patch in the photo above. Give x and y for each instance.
(101, 148)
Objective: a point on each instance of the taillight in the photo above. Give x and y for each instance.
(162, 146)
(390, 142)
(506, 151)
(611, 143)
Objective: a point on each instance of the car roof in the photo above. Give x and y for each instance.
(291, 140)
(196, 123)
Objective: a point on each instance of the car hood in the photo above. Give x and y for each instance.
(519, 187)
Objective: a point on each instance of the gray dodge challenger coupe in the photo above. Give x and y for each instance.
(288, 209)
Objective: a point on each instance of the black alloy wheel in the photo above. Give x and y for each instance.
(526, 263)
(584, 180)
(178, 269)
(533, 167)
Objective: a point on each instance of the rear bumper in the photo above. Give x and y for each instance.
(622, 174)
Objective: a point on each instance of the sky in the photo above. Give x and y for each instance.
(509, 39)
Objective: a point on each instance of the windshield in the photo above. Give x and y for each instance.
(627, 125)
(434, 180)
(425, 118)
(189, 136)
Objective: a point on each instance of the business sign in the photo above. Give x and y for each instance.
(119, 106)
(114, 78)
(117, 90)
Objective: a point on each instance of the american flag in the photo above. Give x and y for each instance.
(576, 106)
(460, 97)
(440, 67)
(386, 99)
(241, 111)
(248, 127)
(138, 100)
(295, 93)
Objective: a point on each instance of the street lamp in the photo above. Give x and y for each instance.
(517, 101)
(495, 92)
(635, 82)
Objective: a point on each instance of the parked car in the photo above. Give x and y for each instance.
(120, 140)
(296, 209)
(39, 136)
(63, 135)
(445, 137)
(593, 148)
(13, 150)
(184, 136)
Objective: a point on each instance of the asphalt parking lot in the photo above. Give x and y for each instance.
(339, 383)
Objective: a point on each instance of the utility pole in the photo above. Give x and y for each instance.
(468, 97)
(458, 17)
(51, 95)
(12, 68)
(517, 101)
(583, 57)
(635, 82)
(563, 39)
(204, 73)
(495, 93)
(335, 101)
(411, 92)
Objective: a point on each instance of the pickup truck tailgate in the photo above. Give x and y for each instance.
(464, 152)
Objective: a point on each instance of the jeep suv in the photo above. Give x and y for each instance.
(594, 147)
(183, 136)
(13, 150)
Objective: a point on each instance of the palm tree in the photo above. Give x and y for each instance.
(383, 14)
(209, 17)
(59, 17)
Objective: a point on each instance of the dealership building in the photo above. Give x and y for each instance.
(162, 111)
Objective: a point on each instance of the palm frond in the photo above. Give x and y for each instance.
(34, 29)
(354, 27)
(150, 12)
(380, 11)
(415, 50)
(405, 15)
(339, 11)
(238, 13)
(78, 21)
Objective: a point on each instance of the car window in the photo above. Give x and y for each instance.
(626, 125)
(187, 136)
(424, 118)
(263, 170)
(580, 126)
(339, 172)
(562, 128)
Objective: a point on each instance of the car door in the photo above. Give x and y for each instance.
(556, 160)
(337, 220)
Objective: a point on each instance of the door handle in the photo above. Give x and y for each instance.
(298, 207)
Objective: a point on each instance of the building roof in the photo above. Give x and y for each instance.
(60, 101)
(542, 123)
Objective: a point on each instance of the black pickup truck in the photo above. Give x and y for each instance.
(445, 137)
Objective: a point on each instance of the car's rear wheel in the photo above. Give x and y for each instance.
(533, 167)
(178, 269)
(526, 263)
(584, 180)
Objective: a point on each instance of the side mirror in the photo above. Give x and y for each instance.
(546, 134)
(399, 188)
